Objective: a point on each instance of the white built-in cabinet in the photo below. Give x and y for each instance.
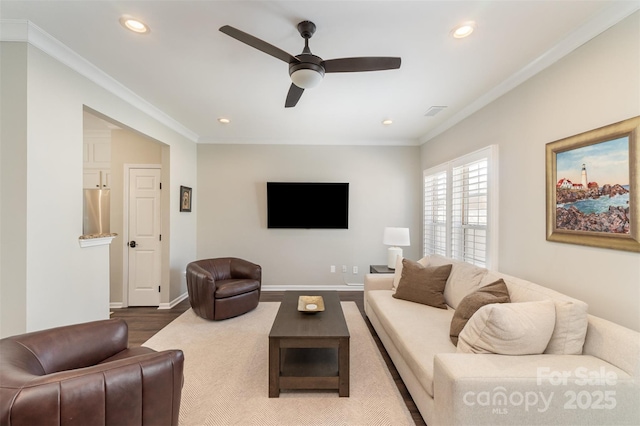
(96, 179)
(97, 159)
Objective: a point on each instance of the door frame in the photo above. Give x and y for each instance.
(125, 226)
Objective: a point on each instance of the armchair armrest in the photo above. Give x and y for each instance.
(241, 268)
(201, 278)
(493, 389)
(201, 287)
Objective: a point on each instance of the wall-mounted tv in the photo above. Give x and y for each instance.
(308, 205)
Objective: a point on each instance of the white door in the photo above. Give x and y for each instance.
(144, 237)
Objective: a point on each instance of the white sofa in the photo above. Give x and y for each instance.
(589, 373)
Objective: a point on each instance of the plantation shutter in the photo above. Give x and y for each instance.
(460, 208)
(435, 212)
(469, 212)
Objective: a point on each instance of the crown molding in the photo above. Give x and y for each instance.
(19, 30)
(596, 26)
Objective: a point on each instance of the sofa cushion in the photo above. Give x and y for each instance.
(398, 271)
(418, 332)
(509, 329)
(493, 293)
(464, 279)
(571, 314)
(423, 284)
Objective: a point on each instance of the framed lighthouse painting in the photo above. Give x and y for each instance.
(592, 187)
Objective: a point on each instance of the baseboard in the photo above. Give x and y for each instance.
(344, 287)
(174, 302)
(183, 296)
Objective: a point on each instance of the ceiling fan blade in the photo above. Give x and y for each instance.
(293, 96)
(373, 63)
(259, 44)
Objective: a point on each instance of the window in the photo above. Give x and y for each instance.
(460, 208)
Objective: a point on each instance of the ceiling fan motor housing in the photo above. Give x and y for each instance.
(306, 29)
(307, 62)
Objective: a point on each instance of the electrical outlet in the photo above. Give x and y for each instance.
(355, 269)
(344, 269)
(333, 268)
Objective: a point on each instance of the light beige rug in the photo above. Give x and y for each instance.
(227, 381)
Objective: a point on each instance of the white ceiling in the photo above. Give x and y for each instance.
(193, 73)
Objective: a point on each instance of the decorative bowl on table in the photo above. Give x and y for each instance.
(310, 304)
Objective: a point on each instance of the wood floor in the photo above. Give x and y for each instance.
(145, 322)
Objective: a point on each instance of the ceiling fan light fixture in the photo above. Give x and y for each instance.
(463, 30)
(306, 78)
(133, 24)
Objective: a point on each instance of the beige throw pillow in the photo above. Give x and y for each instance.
(571, 328)
(423, 284)
(571, 314)
(496, 292)
(509, 329)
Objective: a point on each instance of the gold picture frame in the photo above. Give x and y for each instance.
(598, 212)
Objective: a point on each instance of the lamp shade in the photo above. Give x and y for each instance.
(396, 237)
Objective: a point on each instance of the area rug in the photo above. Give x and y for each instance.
(226, 379)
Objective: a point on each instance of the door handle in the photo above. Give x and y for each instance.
(131, 244)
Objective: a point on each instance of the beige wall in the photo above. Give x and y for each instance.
(232, 220)
(596, 85)
(13, 187)
(53, 280)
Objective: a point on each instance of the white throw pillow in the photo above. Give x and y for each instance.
(509, 329)
(398, 271)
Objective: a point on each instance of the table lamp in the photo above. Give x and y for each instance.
(395, 237)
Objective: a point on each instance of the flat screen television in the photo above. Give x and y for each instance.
(308, 205)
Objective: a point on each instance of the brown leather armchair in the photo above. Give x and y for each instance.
(84, 374)
(223, 288)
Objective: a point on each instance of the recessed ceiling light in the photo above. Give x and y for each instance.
(463, 30)
(224, 120)
(133, 24)
(387, 122)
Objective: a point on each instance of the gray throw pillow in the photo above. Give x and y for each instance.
(423, 284)
(495, 292)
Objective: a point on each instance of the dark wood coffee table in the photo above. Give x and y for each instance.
(309, 351)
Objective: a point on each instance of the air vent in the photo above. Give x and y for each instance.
(434, 110)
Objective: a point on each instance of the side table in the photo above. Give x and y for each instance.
(381, 269)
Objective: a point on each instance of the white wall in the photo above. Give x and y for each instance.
(596, 85)
(64, 283)
(232, 220)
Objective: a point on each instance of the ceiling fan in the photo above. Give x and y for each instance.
(306, 69)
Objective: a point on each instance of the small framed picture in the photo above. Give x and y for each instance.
(185, 199)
